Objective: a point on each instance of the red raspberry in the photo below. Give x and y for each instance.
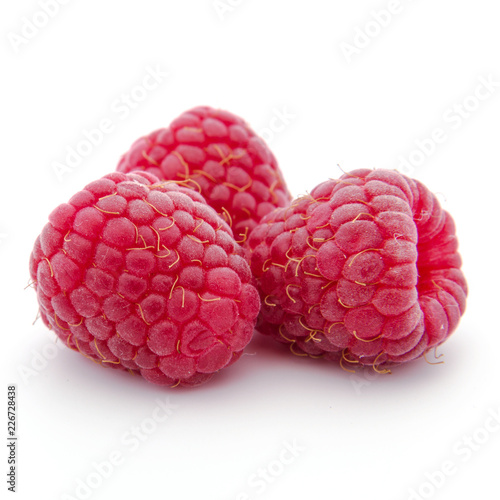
(144, 276)
(364, 270)
(217, 153)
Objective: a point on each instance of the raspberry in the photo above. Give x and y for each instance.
(364, 271)
(144, 276)
(218, 154)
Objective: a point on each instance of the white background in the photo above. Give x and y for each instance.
(357, 437)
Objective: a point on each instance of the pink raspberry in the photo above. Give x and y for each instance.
(144, 276)
(218, 154)
(364, 271)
